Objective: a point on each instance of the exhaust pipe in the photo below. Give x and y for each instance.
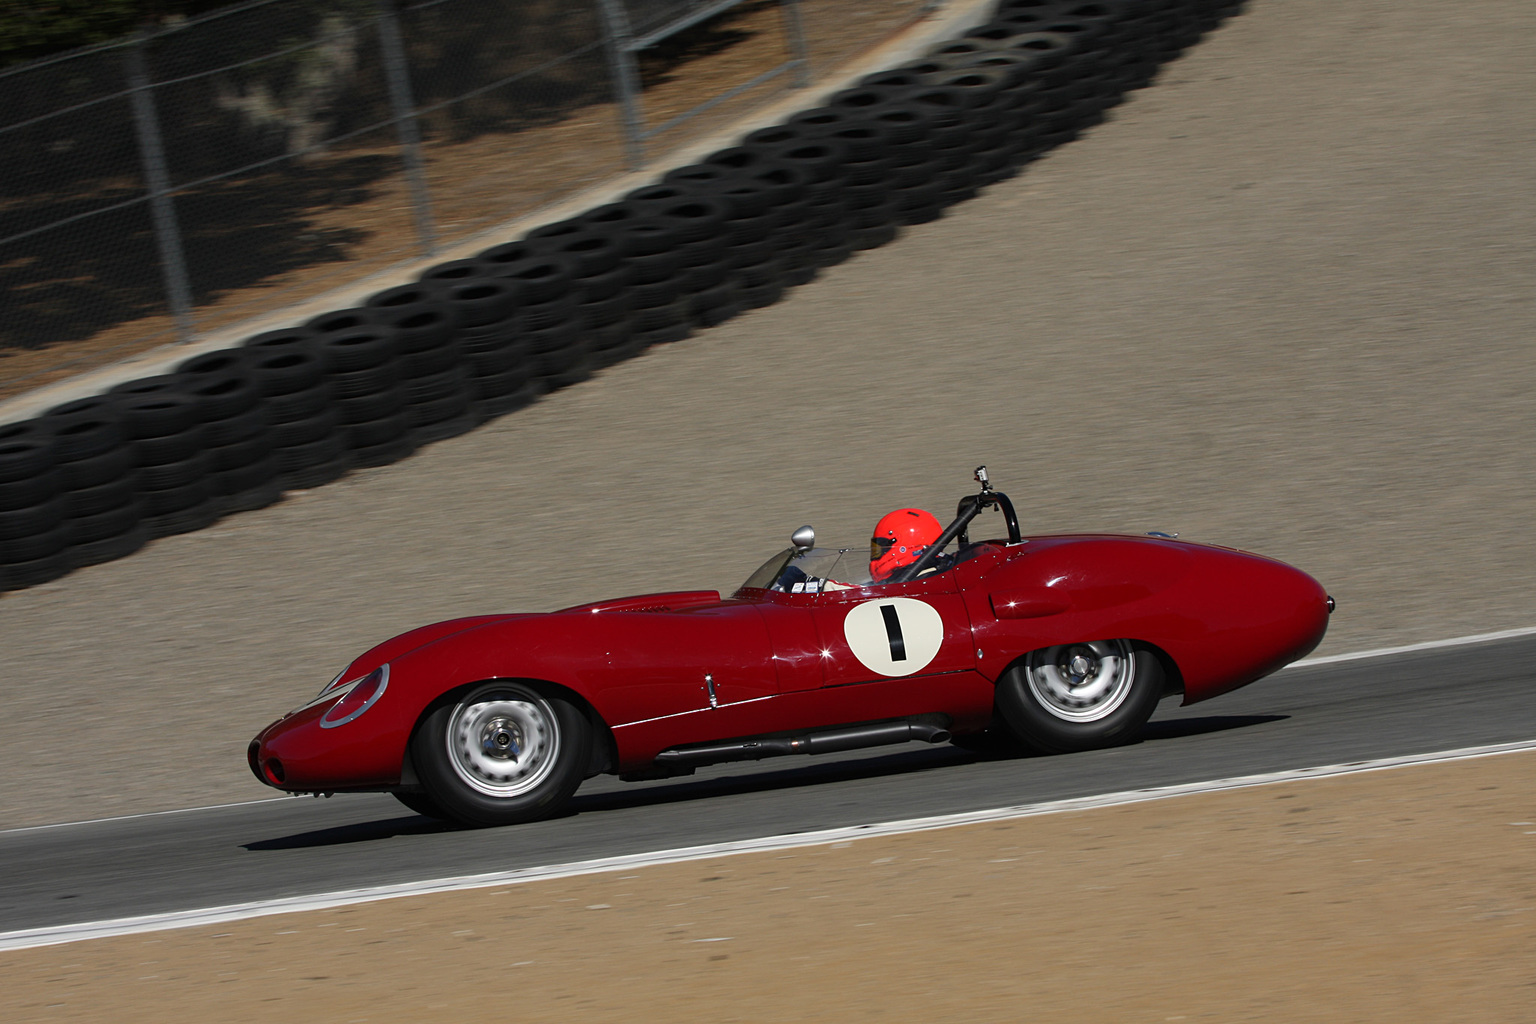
(823, 741)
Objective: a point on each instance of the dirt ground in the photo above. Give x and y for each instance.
(1396, 896)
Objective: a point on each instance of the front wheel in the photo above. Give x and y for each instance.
(1080, 696)
(502, 754)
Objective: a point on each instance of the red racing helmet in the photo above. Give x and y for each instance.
(900, 539)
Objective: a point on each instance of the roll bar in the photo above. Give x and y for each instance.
(969, 508)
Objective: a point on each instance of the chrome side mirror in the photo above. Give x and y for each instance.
(803, 539)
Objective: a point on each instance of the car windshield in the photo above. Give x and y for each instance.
(828, 569)
(813, 571)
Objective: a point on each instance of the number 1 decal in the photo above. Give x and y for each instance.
(893, 632)
(894, 636)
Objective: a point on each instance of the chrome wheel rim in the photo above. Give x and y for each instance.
(503, 740)
(1082, 682)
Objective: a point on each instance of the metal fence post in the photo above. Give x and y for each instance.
(794, 28)
(157, 181)
(626, 78)
(404, 108)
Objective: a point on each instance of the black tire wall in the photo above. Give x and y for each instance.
(475, 339)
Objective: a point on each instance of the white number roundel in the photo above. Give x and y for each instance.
(894, 636)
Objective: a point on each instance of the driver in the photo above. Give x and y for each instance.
(900, 539)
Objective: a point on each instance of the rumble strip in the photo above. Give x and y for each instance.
(34, 937)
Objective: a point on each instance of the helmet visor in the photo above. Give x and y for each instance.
(879, 547)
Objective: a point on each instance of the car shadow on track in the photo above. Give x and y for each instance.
(906, 762)
(746, 778)
(360, 832)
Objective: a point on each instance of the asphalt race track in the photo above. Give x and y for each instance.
(1326, 714)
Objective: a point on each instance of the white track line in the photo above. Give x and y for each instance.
(33, 937)
(1428, 645)
(1380, 652)
(146, 814)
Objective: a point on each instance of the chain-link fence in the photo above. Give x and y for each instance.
(191, 176)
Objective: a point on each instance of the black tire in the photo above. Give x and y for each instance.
(538, 278)
(230, 482)
(1081, 696)
(240, 453)
(157, 451)
(663, 335)
(606, 285)
(589, 252)
(29, 574)
(175, 499)
(217, 363)
(37, 545)
(25, 455)
(440, 385)
(420, 803)
(184, 520)
(442, 430)
(314, 474)
(384, 454)
(372, 407)
(453, 272)
(260, 496)
(757, 296)
(361, 348)
(430, 361)
(544, 745)
(545, 315)
(159, 414)
(593, 315)
(295, 457)
(482, 301)
(175, 475)
(283, 375)
(489, 364)
(225, 396)
(423, 414)
(24, 522)
(103, 525)
(519, 397)
(32, 490)
(90, 501)
(233, 430)
(367, 381)
(108, 549)
(85, 435)
(311, 428)
(495, 385)
(377, 432)
(97, 469)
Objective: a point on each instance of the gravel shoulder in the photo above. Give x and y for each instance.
(1401, 895)
(1281, 301)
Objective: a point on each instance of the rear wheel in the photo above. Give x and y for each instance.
(1080, 696)
(502, 754)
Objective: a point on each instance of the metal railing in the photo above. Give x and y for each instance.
(182, 179)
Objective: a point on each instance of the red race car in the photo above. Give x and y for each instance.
(1064, 642)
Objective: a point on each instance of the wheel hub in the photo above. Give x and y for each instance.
(1081, 667)
(1082, 682)
(503, 740)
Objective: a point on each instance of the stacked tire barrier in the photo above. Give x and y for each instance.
(477, 338)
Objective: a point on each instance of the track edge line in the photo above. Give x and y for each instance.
(33, 938)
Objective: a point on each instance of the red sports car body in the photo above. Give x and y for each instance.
(1061, 642)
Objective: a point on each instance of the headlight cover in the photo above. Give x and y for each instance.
(358, 698)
